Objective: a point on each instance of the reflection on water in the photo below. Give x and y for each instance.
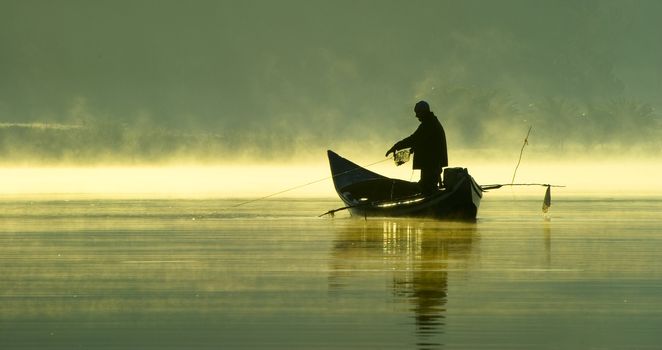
(187, 274)
(547, 234)
(418, 255)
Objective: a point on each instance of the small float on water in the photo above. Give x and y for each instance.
(368, 194)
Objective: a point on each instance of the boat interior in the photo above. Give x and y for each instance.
(380, 190)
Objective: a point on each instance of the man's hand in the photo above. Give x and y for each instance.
(391, 150)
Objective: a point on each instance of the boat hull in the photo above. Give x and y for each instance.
(367, 194)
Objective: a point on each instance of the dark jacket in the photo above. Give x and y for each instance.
(428, 143)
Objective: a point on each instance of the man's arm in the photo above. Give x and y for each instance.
(407, 142)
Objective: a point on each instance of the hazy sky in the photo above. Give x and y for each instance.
(143, 81)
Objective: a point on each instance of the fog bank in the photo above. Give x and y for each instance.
(160, 82)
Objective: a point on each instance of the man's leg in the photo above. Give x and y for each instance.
(430, 179)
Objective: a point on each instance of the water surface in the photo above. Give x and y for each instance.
(96, 273)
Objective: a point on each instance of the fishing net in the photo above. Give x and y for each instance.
(401, 157)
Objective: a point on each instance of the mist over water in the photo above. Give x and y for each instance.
(152, 83)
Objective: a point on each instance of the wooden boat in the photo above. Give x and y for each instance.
(366, 193)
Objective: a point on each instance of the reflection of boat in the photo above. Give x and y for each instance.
(366, 193)
(416, 256)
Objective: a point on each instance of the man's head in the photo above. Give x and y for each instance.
(421, 108)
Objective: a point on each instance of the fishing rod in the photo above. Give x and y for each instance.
(496, 186)
(308, 184)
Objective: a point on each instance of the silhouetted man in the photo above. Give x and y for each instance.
(428, 144)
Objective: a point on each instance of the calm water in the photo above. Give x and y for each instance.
(189, 274)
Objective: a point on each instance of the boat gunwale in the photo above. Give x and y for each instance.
(416, 205)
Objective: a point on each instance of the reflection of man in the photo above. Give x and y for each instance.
(418, 259)
(428, 144)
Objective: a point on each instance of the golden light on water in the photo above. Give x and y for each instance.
(636, 178)
(227, 181)
(580, 177)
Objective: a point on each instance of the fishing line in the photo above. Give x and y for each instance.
(547, 201)
(526, 142)
(309, 183)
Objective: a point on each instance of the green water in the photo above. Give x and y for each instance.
(93, 273)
